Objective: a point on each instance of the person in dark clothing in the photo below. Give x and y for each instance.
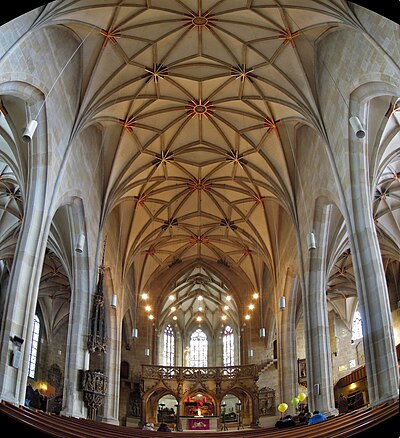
(35, 401)
(343, 404)
(286, 421)
(163, 428)
(302, 419)
(28, 394)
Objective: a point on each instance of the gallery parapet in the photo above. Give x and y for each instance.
(192, 373)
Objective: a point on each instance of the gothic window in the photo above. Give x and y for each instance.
(169, 346)
(357, 332)
(33, 355)
(228, 345)
(198, 349)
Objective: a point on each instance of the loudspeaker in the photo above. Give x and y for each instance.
(80, 244)
(29, 131)
(316, 389)
(357, 127)
(311, 241)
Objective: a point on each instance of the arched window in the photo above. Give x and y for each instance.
(198, 349)
(33, 355)
(356, 330)
(169, 346)
(228, 345)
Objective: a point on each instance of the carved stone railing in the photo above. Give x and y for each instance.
(94, 386)
(191, 373)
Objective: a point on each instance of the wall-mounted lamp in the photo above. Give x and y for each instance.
(262, 332)
(114, 301)
(147, 351)
(357, 127)
(81, 243)
(282, 303)
(29, 131)
(251, 352)
(134, 333)
(311, 241)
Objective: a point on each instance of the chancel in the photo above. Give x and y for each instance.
(199, 216)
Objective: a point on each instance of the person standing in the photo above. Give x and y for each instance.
(343, 404)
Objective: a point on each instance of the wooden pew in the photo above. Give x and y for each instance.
(348, 425)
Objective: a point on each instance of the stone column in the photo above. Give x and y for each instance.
(318, 353)
(113, 357)
(77, 355)
(287, 342)
(20, 305)
(379, 346)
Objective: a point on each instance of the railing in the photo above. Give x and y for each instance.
(193, 373)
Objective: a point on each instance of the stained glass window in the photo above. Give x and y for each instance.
(169, 346)
(33, 355)
(357, 332)
(228, 345)
(198, 349)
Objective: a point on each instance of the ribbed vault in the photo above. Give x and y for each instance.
(197, 99)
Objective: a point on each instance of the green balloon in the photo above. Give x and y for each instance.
(295, 401)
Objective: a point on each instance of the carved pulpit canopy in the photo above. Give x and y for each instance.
(97, 340)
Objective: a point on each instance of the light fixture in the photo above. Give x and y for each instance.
(174, 317)
(171, 297)
(199, 318)
(226, 307)
(357, 127)
(282, 303)
(247, 316)
(251, 306)
(262, 332)
(228, 297)
(151, 316)
(114, 301)
(311, 241)
(134, 333)
(223, 317)
(29, 131)
(255, 295)
(147, 351)
(173, 308)
(145, 295)
(81, 243)
(251, 352)
(147, 308)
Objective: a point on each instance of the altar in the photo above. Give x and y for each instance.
(199, 423)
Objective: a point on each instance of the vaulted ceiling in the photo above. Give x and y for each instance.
(197, 100)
